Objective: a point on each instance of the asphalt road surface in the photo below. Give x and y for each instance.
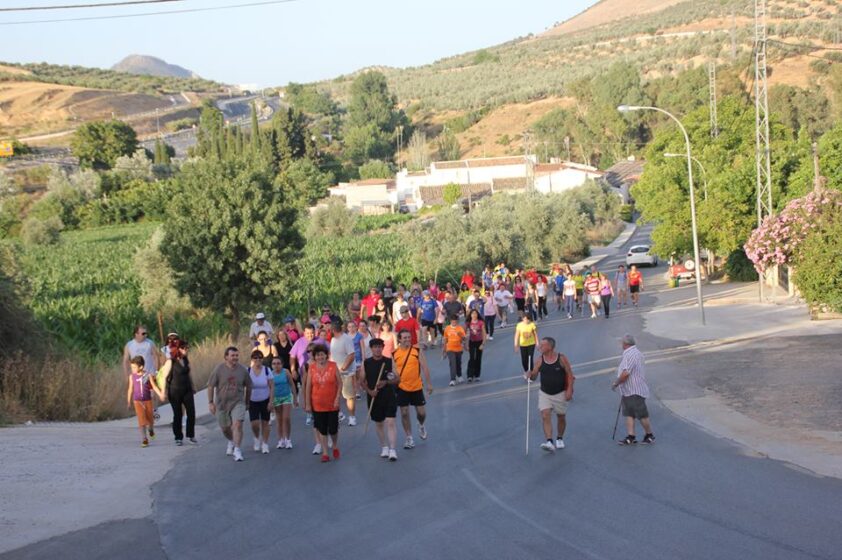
(470, 491)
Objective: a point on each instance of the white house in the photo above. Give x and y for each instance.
(369, 196)
(558, 177)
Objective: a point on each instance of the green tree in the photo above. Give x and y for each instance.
(98, 144)
(292, 136)
(451, 193)
(303, 183)
(334, 220)
(372, 103)
(211, 131)
(448, 146)
(417, 152)
(163, 153)
(255, 129)
(366, 142)
(375, 169)
(231, 238)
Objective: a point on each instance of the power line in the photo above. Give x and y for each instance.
(74, 6)
(123, 16)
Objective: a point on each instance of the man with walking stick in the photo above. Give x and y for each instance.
(380, 383)
(634, 391)
(556, 391)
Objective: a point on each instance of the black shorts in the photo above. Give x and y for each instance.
(428, 324)
(326, 423)
(383, 407)
(634, 406)
(259, 410)
(520, 303)
(634, 289)
(411, 398)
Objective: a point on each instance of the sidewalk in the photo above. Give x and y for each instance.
(600, 253)
(766, 378)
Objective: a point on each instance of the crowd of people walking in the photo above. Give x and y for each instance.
(376, 348)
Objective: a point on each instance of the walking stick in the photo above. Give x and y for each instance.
(368, 416)
(528, 390)
(617, 420)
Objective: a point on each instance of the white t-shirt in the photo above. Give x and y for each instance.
(570, 287)
(541, 289)
(340, 348)
(266, 326)
(146, 349)
(396, 309)
(503, 298)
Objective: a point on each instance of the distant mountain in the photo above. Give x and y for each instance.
(151, 66)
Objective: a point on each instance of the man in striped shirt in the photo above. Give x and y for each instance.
(634, 391)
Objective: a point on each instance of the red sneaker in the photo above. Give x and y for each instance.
(325, 459)
(335, 453)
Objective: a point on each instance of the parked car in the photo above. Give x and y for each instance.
(684, 271)
(639, 254)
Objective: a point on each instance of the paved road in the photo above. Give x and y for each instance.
(470, 490)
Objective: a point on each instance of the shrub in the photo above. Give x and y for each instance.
(739, 268)
(334, 220)
(451, 193)
(383, 221)
(35, 232)
(626, 212)
(818, 268)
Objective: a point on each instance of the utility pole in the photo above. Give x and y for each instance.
(817, 178)
(714, 122)
(400, 143)
(761, 122)
(530, 178)
(567, 146)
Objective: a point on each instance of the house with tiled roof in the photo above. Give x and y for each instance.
(369, 196)
(622, 176)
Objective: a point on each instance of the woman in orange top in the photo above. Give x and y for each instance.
(322, 388)
(454, 344)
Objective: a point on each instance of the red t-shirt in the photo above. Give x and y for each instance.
(370, 304)
(634, 278)
(468, 279)
(409, 324)
(323, 387)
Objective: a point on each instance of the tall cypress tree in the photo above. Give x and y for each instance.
(255, 130)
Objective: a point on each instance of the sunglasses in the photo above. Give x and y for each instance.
(143, 333)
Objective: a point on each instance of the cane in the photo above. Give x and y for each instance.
(528, 390)
(368, 416)
(617, 420)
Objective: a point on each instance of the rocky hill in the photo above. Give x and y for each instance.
(151, 66)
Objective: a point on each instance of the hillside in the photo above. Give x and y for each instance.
(150, 66)
(658, 37)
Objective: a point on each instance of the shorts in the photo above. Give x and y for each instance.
(557, 402)
(383, 407)
(227, 417)
(144, 412)
(428, 324)
(326, 423)
(348, 390)
(520, 303)
(634, 288)
(259, 410)
(280, 401)
(411, 398)
(595, 299)
(634, 406)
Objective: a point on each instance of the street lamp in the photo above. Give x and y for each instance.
(702, 167)
(630, 108)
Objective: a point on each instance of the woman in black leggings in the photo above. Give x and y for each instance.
(526, 336)
(179, 391)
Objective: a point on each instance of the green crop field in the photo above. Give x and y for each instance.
(84, 294)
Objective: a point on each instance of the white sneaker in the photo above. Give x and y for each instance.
(352, 420)
(548, 446)
(409, 443)
(490, 338)
(281, 444)
(459, 380)
(422, 431)
(341, 417)
(238, 455)
(559, 443)
(393, 456)
(257, 445)
(452, 383)
(309, 420)
(289, 444)
(384, 452)
(317, 450)
(230, 450)
(264, 448)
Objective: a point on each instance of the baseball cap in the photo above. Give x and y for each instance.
(289, 319)
(260, 316)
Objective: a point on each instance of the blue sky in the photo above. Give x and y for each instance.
(301, 41)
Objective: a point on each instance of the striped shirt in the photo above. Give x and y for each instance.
(633, 363)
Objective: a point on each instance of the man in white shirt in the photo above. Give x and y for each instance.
(342, 354)
(261, 324)
(140, 345)
(503, 298)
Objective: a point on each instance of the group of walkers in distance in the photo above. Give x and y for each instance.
(376, 349)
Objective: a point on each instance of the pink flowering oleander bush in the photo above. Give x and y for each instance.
(778, 240)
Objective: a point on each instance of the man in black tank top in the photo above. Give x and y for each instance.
(556, 391)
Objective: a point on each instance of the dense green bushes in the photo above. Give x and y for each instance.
(739, 268)
(818, 269)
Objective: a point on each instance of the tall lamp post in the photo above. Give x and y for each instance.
(702, 167)
(630, 108)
